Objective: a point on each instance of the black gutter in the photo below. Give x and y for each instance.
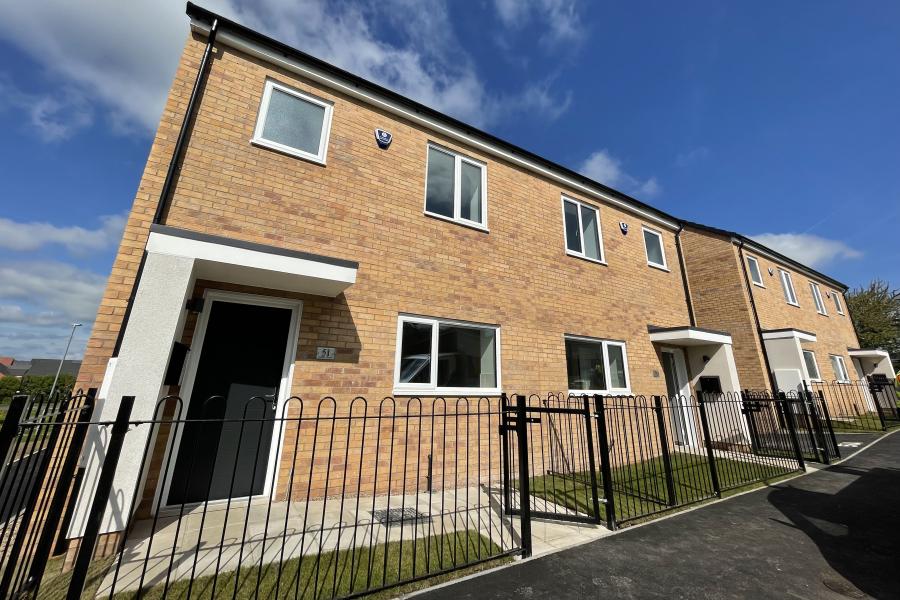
(684, 276)
(759, 330)
(171, 172)
(183, 132)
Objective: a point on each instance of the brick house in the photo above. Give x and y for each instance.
(280, 245)
(789, 323)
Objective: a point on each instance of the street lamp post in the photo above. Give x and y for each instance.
(63, 359)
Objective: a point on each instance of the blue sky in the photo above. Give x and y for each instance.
(778, 120)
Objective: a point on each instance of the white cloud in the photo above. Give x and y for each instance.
(54, 117)
(692, 156)
(560, 19)
(39, 300)
(124, 54)
(607, 169)
(811, 250)
(80, 241)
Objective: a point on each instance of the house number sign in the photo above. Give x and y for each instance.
(323, 353)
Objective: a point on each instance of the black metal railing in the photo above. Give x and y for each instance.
(364, 497)
(857, 406)
(38, 476)
(672, 451)
(809, 418)
(615, 459)
(335, 499)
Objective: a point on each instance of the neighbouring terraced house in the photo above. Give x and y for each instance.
(301, 231)
(789, 323)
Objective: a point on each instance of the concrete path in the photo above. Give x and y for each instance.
(832, 534)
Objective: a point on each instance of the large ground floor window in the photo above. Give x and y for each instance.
(439, 356)
(596, 366)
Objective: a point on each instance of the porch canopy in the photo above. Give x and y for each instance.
(872, 361)
(709, 365)
(785, 351)
(175, 260)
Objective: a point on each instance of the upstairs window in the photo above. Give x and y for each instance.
(837, 303)
(293, 122)
(812, 369)
(839, 368)
(755, 273)
(436, 356)
(817, 298)
(582, 230)
(787, 284)
(455, 188)
(653, 246)
(596, 366)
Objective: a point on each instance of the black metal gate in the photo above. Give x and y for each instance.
(771, 424)
(884, 395)
(553, 438)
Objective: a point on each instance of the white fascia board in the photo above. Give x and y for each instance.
(790, 333)
(221, 256)
(290, 64)
(688, 336)
(868, 353)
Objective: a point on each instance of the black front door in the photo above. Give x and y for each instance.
(225, 444)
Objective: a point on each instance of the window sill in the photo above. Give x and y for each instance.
(579, 393)
(588, 259)
(287, 150)
(822, 314)
(794, 304)
(448, 392)
(660, 267)
(759, 285)
(469, 224)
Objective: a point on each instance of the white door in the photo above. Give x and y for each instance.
(679, 391)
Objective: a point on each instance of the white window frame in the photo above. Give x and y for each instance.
(431, 389)
(817, 298)
(818, 376)
(755, 262)
(837, 303)
(582, 255)
(787, 282)
(838, 359)
(458, 159)
(609, 391)
(664, 265)
(258, 140)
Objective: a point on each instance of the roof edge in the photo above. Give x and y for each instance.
(203, 14)
(749, 242)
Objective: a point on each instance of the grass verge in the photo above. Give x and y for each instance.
(332, 575)
(640, 489)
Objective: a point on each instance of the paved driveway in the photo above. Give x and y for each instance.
(832, 534)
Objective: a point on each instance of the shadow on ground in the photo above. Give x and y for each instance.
(857, 529)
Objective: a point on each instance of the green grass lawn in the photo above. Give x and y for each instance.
(357, 571)
(640, 488)
(865, 422)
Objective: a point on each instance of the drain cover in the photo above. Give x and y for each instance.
(398, 516)
(843, 588)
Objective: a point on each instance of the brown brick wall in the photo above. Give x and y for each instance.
(720, 300)
(367, 205)
(834, 332)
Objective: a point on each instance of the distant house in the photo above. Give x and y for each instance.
(37, 367)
